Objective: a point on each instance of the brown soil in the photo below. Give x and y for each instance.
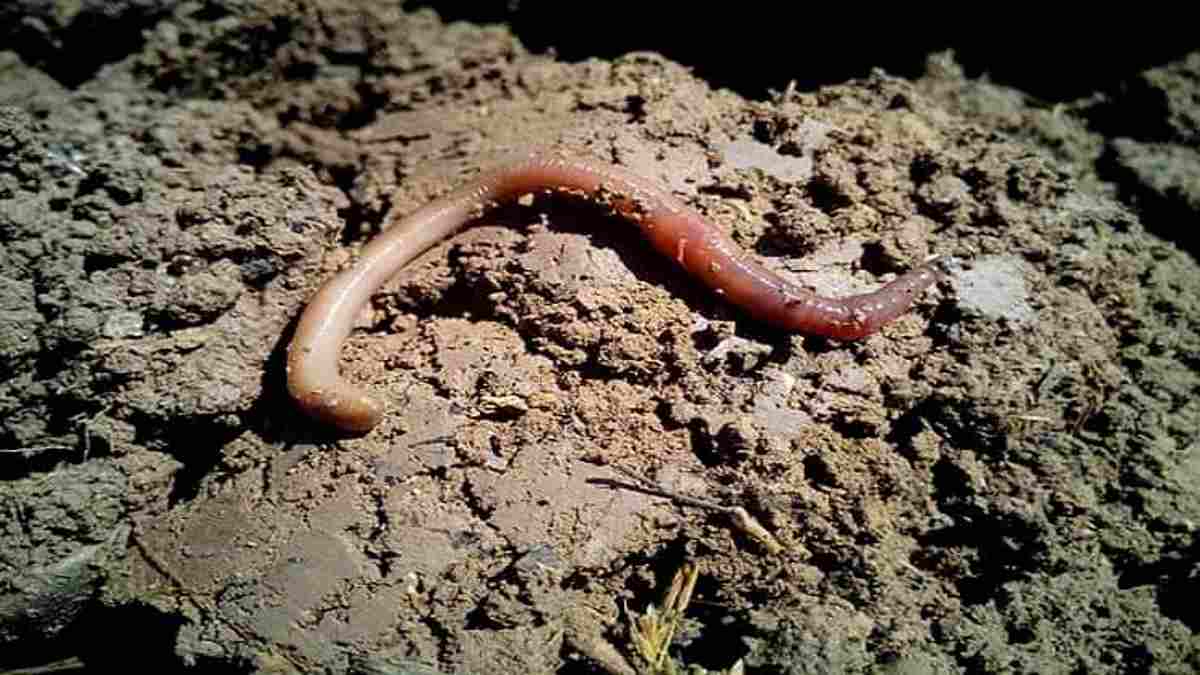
(1003, 480)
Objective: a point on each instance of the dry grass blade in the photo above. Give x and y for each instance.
(652, 632)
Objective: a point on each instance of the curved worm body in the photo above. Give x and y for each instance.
(673, 228)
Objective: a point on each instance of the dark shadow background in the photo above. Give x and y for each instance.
(752, 47)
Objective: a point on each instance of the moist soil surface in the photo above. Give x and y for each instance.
(1006, 479)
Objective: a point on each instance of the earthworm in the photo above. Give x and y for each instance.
(673, 228)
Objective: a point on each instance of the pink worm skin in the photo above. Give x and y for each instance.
(671, 226)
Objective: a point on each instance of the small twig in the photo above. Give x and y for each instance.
(602, 654)
(34, 449)
(83, 426)
(61, 666)
(740, 517)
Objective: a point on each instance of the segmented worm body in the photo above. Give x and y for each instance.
(673, 228)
